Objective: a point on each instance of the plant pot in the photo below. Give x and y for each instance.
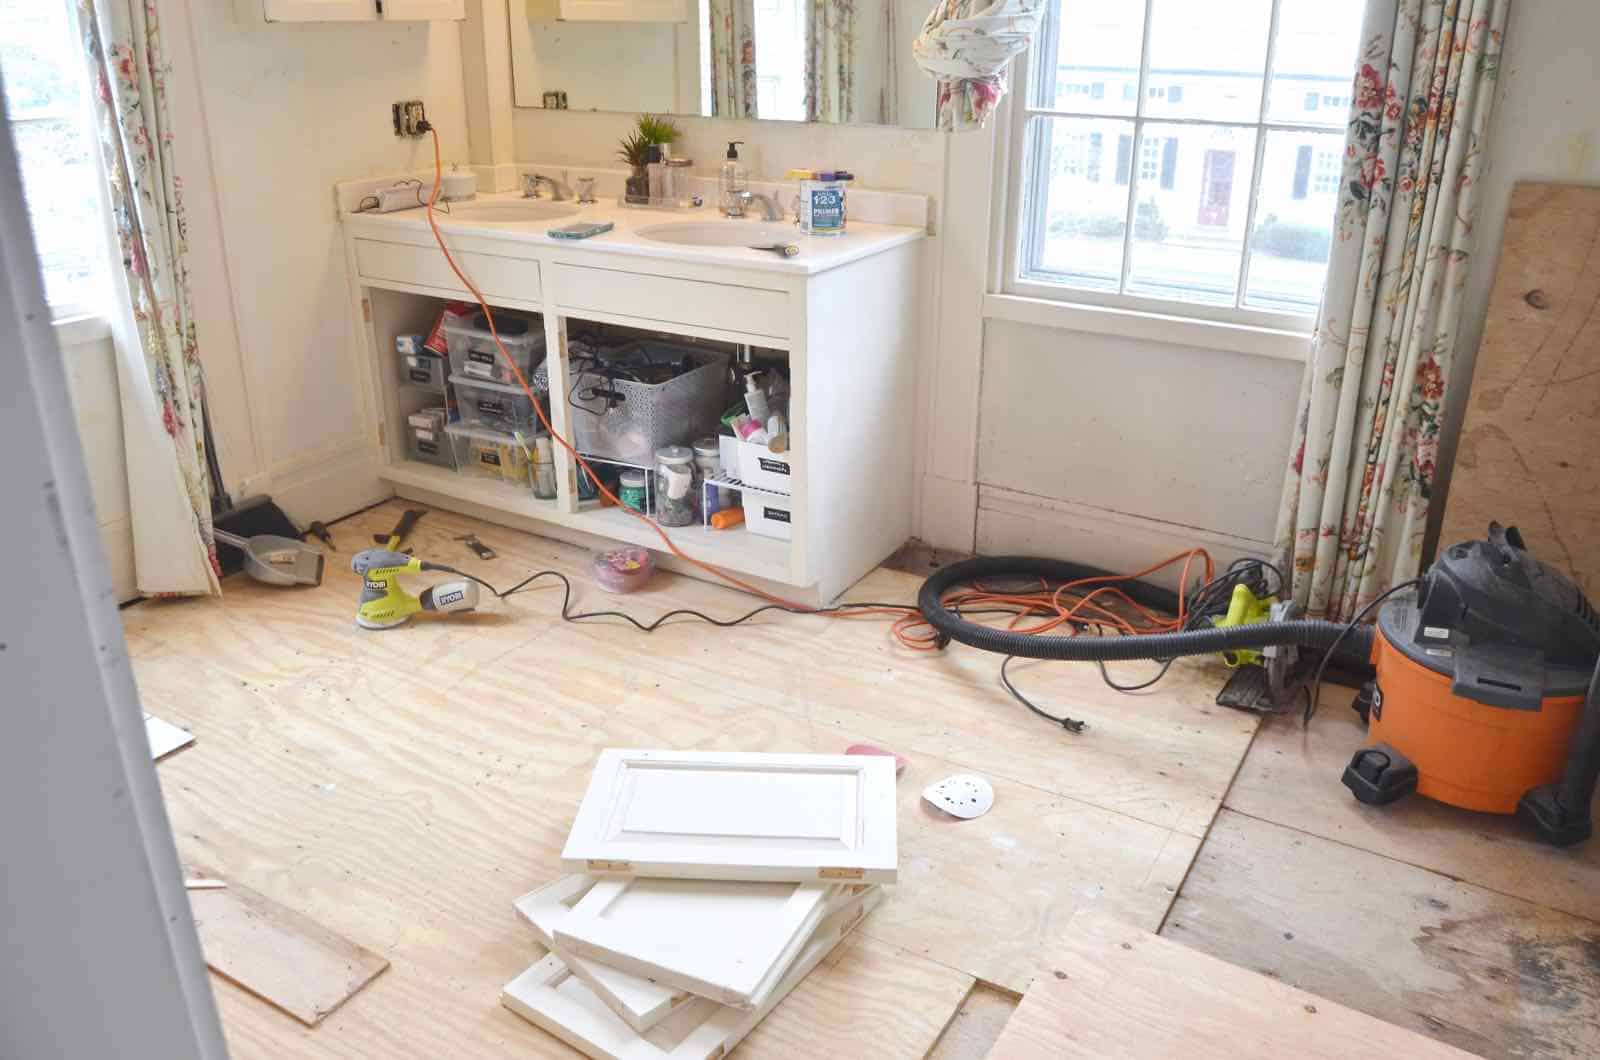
(638, 186)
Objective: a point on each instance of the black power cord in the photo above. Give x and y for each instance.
(683, 612)
(1316, 685)
(1202, 604)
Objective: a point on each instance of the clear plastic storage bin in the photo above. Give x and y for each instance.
(490, 455)
(473, 354)
(425, 370)
(619, 419)
(499, 408)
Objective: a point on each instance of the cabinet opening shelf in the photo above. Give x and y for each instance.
(737, 549)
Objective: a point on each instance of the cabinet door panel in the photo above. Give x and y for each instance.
(424, 10)
(737, 816)
(320, 10)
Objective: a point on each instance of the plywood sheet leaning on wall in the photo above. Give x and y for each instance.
(1532, 429)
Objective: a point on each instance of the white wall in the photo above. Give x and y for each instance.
(1545, 127)
(287, 110)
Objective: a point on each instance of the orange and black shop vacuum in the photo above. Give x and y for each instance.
(1487, 694)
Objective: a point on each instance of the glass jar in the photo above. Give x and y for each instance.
(632, 493)
(708, 460)
(677, 480)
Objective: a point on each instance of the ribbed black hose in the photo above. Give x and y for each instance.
(1306, 633)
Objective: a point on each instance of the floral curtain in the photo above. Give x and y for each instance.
(159, 370)
(733, 58)
(889, 101)
(966, 46)
(1355, 499)
(831, 60)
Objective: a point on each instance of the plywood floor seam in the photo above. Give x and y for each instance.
(404, 787)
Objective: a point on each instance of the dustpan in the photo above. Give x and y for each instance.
(276, 560)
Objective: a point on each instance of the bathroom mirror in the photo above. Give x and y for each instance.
(836, 61)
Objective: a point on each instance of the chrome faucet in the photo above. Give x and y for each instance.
(740, 201)
(558, 189)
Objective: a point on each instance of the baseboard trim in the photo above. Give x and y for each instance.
(1022, 523)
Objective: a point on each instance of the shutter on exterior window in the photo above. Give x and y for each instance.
(1302, 171)
(1169, 162)
(1124, 158)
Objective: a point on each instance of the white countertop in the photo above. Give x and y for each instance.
(817, 253)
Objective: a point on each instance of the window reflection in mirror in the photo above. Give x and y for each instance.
(835, 61)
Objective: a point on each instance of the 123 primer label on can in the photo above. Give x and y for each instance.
(827, 209)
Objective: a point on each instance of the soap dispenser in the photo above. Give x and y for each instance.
(734, 181)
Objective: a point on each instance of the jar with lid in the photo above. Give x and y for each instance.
(677, 480)
(632, 493)
(544, 469)
(708, 460)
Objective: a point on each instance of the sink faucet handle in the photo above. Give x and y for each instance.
(530, 185)
(585, 187)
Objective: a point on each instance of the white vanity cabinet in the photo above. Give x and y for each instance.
(845, 312)
(360, 10)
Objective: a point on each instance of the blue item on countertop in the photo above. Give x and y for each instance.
(582, 230)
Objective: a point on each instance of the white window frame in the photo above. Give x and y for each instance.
(79, 321)
(1022, 171)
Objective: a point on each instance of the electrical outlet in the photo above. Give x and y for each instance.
(409, 118)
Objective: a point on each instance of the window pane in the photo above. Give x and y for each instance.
(58, 184)
(1089, 57)
(1193, 192)
(39, 71)
(1300, 174)
(1313, 65)
(1081, 169)
(44, 73)
(1207, 59)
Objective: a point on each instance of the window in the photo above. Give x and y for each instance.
(1222, 192)
(1325, 173)
(45, 72)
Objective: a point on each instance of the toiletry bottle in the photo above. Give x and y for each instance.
(679, 188)
(657, 171)
(755, 399)
(734, 181)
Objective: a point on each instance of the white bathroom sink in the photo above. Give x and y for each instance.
(509, 212)
(720, 233)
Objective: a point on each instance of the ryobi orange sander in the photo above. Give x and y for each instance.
(1487, 693)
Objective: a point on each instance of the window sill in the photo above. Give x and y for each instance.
(80, 329)
(1248, 339)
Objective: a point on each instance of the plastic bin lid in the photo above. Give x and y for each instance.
(489, 384)
(465, 430)
(508, 324)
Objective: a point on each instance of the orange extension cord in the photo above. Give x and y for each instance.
(1092, 601)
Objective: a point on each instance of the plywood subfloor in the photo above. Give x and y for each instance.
(1456, 925)
(403, 787)
(1113, 990)
(1532, 424)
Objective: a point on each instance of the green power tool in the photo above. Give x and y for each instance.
(385, 603)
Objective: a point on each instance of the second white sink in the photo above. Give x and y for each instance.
(719, 234)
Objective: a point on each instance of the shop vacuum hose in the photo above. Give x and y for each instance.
(1306, 633)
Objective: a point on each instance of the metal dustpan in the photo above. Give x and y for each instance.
(276, 560)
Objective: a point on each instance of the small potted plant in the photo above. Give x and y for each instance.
(635, 149)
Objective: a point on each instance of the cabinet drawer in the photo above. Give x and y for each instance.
(752, 310)
(496, 277)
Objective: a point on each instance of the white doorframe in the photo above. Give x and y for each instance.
(101, 954)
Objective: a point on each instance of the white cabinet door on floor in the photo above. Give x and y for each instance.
(616, 10)
(732, 815)
(424, 10)
(320, 10)
(363, 10)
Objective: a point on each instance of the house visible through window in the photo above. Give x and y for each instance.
(45, 74)
(1220, 144)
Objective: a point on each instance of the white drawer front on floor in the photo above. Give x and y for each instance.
(735, 815)
(496, 276)
(752, 310)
